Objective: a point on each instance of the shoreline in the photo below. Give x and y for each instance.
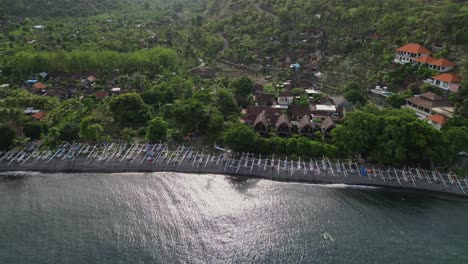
(221, 165)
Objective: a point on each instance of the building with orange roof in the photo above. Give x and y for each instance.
(38, 116)
(409, 52)
(437, 120)
(39, 86)
(441, 65)
(446, 81)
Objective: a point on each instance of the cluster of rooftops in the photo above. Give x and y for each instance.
(278, 113)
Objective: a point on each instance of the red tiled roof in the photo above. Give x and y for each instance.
(438, 118)
(100, 95)
(448, 77)
(425, 59)
(91, 78)
(414, 48)
(38, 115)
(442, 62)
(39, 86)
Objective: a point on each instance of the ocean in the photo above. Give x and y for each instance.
(191, 218)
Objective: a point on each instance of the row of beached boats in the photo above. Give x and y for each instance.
(138, 153)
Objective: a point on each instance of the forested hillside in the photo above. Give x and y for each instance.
(35, 8)
(357, 37)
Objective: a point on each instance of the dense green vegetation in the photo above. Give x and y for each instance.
(150, 49)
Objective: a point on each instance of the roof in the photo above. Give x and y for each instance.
(414, 48)
(326, 124)
(448, 77)
(261, 119)
(91, 78)
(39, 86)
(265, 98)
(286, 94)
(258, 87)
(283, 120)
(100, 95)
(305, 121)
(330, 108)
(425, 59)
(428, 100)
(431, 96)
(252, 113)
(38, 115)
(442, 62)
(438, 119)
(300, 110)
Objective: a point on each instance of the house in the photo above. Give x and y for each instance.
(409, 52)
(257, 89)
(265, 99)
(440, 65)
(306, 127)
(285, 98)
(342, 105)
(437, 120)
(39, 86)
(446, 81)
(261, 124)
(91, 79)
(4, 86)
(283, 126)
(38, 116)
(424, 103)
(327, 126)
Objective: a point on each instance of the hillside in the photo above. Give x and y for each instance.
(354, 39)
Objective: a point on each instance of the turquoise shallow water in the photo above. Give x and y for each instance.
(184, 218)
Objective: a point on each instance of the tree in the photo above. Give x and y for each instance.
(7, 135)
(226, 103)
(242, 88)
(157, 130)
(129, 109)
(240, 138)
(32, 130)
(216, 125)
(88, 130)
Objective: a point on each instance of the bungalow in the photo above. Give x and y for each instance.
(261, 124)
(283, 126)
(409, 52)
(424, 103)
(306, 127)
(446, 81)
(285, 98)
(265, 99)
(437, 121)
(327, 126)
